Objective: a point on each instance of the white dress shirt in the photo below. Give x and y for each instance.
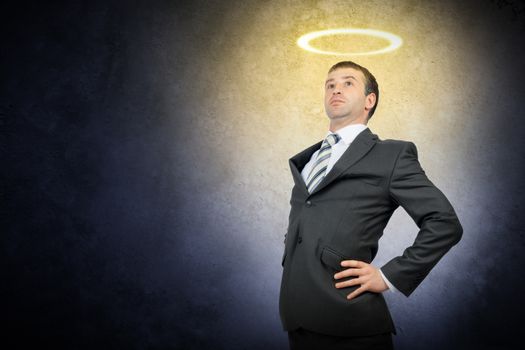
(348, 134)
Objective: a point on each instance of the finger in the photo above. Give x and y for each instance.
(357, 292)
(347, 273)
(348, 283)
(353, 263)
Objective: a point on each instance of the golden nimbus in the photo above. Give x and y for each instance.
(394, 40)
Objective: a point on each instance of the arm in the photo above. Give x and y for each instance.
(439, 226)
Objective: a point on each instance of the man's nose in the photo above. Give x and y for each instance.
(337, 89)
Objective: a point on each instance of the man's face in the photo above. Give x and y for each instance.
(345, 95)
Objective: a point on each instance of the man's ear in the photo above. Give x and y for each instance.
(370, 101)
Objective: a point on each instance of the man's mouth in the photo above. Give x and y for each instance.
(336, 101)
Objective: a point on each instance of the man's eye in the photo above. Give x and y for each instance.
(329, 86)
(348, 83)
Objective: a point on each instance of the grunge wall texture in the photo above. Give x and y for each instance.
(145, 179)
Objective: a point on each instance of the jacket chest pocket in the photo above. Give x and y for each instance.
(365, 178)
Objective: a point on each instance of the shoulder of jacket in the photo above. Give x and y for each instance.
(395, 143)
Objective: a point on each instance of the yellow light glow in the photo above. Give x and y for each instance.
(395, 41)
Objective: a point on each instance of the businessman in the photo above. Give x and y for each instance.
(346, 188)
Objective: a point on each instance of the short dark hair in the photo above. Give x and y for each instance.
(370, 81)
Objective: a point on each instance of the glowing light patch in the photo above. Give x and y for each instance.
(395, 41)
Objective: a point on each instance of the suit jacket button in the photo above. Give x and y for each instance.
(308, 203)
(299, 240)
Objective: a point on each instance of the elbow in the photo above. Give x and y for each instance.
(457, 231)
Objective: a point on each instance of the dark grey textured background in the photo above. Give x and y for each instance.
(105, 245)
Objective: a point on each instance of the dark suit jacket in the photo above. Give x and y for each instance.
(343, 218)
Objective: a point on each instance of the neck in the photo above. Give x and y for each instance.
(336, 124)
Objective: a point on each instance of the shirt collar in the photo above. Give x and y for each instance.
(349, 132)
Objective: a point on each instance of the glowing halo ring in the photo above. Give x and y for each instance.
(395, 41)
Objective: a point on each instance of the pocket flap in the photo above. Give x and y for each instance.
(374, 181)
(331, 258)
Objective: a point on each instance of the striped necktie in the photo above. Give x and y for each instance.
(318, 171)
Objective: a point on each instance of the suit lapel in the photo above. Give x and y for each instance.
(357, 149)
(298, 162)
(364, 141)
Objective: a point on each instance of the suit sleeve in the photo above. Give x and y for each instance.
(391, 287)
(439, 226)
